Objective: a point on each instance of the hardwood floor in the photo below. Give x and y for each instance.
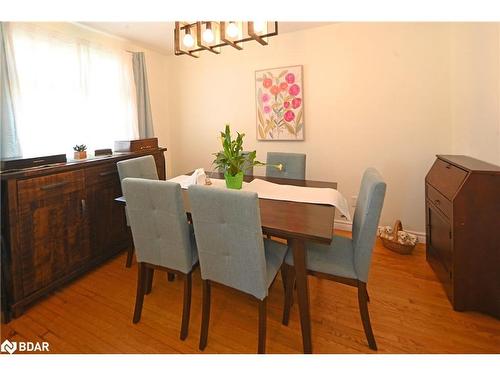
(409, 312)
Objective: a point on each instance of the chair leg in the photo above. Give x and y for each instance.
(367, 296)
(284, 276)
(130, 256)
(170, 276)
(262, 326)
(205, 314)
(186, 309)
(139, 298)
(365, 317)
(289, 284)
(149, 280)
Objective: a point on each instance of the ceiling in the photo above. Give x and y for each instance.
(159, 36)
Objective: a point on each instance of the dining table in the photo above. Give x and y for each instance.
(295, 222)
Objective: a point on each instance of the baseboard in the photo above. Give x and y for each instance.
(347, 226)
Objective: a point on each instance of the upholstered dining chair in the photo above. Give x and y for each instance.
(347, 260)
(162, 237)
(232, 250)
(293, 165)
(141, 167)
(249, 171)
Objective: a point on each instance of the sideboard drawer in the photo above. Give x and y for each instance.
(439, 201)
(51, 185)
(446, 178)
(98, 174)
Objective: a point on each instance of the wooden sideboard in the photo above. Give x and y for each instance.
(58, 222)
(463, 231)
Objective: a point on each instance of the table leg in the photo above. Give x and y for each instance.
(299, 261)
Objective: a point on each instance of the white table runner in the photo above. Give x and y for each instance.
(269, 190)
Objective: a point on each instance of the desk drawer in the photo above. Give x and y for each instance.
(439, 201)
(446, 178)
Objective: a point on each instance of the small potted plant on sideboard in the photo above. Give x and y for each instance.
(232, 161)
(80, 152)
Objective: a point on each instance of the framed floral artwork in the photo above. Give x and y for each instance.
(280, 104)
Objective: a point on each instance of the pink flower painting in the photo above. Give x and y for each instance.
(280, 104)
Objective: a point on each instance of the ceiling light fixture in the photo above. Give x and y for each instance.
(211, 35)
(208, 34)
(188, 39)
(232, 30)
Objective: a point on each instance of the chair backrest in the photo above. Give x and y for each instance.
(142, 167)
(229, 238)
(294, 165)
(159, 224)
(246, 172)
(249, 171)
(368, 208)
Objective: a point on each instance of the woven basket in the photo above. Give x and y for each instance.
(395, 245)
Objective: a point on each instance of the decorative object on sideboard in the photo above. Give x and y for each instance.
(16, 164)
(280, 104)
(396, 239)
(191, 38)
(80, 152)
(136, 145)
(232, 160)
(103, 152)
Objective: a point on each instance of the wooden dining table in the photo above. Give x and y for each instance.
(296, 222)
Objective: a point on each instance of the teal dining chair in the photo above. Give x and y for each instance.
(162, 237)
(293, 165)
(347, 260)
(232, 250)
(141, 167)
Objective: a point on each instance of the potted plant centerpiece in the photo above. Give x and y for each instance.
(231, 159)
(80, 152)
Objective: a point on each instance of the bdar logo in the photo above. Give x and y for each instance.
(8, 347)
(24, 346)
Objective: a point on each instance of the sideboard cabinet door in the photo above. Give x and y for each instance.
(54, 228)
(108, 226)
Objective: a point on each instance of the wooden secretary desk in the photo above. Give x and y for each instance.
(463, 231)
(58, 222)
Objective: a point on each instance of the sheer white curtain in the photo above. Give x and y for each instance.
(70, 92)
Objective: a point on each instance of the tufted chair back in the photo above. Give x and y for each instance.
(159, 225)
(294, 165)
(142, 167)
(229, 238)
(366, 217)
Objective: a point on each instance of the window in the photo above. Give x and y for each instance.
(69, 92)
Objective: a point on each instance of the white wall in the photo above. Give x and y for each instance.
(375, 94)
(475, 70)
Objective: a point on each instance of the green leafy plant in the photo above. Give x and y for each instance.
(231, 159)
(80, 148)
